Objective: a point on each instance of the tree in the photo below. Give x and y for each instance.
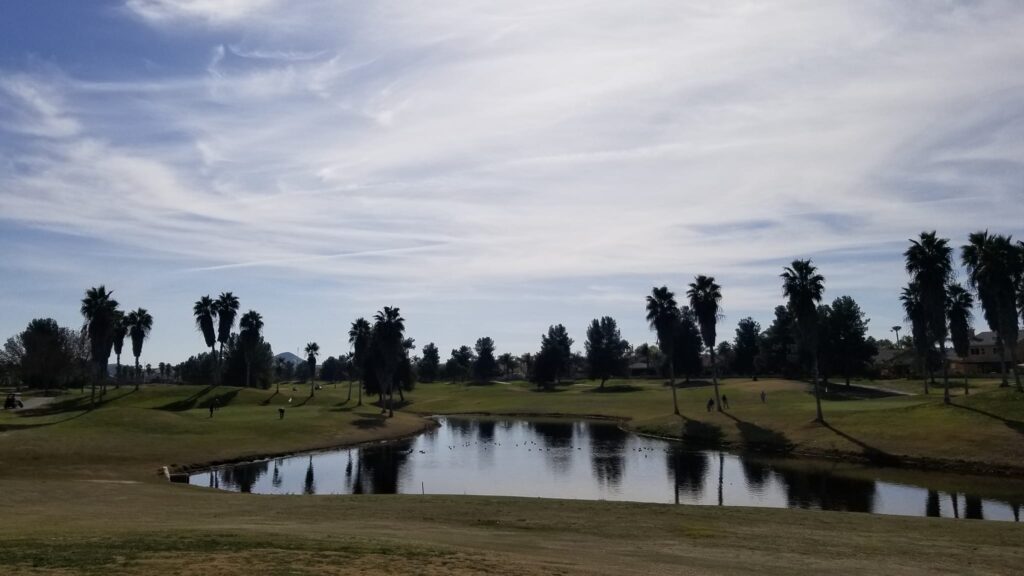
(139, 322)
(994, 269)
(250, 339)
(910, 298)
(430, 364)
(663, 317)
(120, 332)
(929, 261)
(485, 365)
(312, 351)
(46, 355)
(777, 343)
(330, 370)
(359, 338)
(204, 311)
(226, 308)
(460, 363)
(100, 312)
(643, 353)
(748, 332)
(561, 344)
(705, 296)
(959, 303)
(687, 356)
(607, 352)
(508, 364)
(848, 329)
(804, 288)
(388, 343)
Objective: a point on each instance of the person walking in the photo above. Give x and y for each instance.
(725, 401)
(764, 397)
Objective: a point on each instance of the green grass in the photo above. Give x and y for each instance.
(81, 489)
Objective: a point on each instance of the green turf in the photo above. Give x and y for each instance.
(82, 490)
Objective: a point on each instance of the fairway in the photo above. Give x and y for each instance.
(84, 490)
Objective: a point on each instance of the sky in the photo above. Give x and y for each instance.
(491, 168)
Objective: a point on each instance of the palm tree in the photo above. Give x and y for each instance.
(120, 331)
(914, 310)
(205, 310)
(251, 325)
(994, 268)
(804, 287)
(139, 322)
(312, 351)
(100, 312)
(662, 316)
(359, 337)
(226, 308)
(958, 308)
(704, 296)
(929, 261)
(388, 342)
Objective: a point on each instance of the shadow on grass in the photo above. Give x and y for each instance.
(701, 434)
(371, 422)
(1015, 425)
(269, 399)
(616, 389)
(79, 406)
(841, 392)
(187, 403)
(874, 455)
(761, 438)
(220, 400)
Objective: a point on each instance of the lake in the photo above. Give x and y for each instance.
(594, 460)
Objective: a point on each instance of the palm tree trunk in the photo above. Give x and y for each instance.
(247, 372)
(349, 390)
(967, 389)
(117, 374)
(945, 373)
(138, 372)
(1013, 366)
(672, 384)
(360, 392)
(401, 395)
(714, 379)
(1002, 365)
(817, 396)
(391, 397)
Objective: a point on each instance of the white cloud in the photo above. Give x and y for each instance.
(480, 144)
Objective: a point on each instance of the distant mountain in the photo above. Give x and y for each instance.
(289, 358)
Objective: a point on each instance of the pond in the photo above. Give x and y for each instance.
(598, 461)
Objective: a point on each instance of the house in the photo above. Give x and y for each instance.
(983, 356)
(896, 362)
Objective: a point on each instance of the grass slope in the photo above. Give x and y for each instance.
(81, 491)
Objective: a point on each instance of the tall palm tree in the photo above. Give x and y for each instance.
(312, 351)
(100, 312)
(914, 311)
(994, 268)
(139, 322)
(226, 308)
(359, 337)
(804, 287)
(958, 308)
(662, 316)
(388, 341)
(249, 338)
(120, 332)
(204, 311)
(705, 296)
(929, 261)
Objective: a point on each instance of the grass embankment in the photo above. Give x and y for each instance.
(81, 493)
(979, 432)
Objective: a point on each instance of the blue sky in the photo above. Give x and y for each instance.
(491, 169)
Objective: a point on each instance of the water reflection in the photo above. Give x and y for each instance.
(593, 460)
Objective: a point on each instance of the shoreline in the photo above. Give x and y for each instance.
(180, 473)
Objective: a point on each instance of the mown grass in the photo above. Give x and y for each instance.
(80, 490)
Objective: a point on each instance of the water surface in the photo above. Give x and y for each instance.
(593, 461)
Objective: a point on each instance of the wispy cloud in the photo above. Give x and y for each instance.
(469, 146)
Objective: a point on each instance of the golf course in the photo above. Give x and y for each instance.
(85, 491)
